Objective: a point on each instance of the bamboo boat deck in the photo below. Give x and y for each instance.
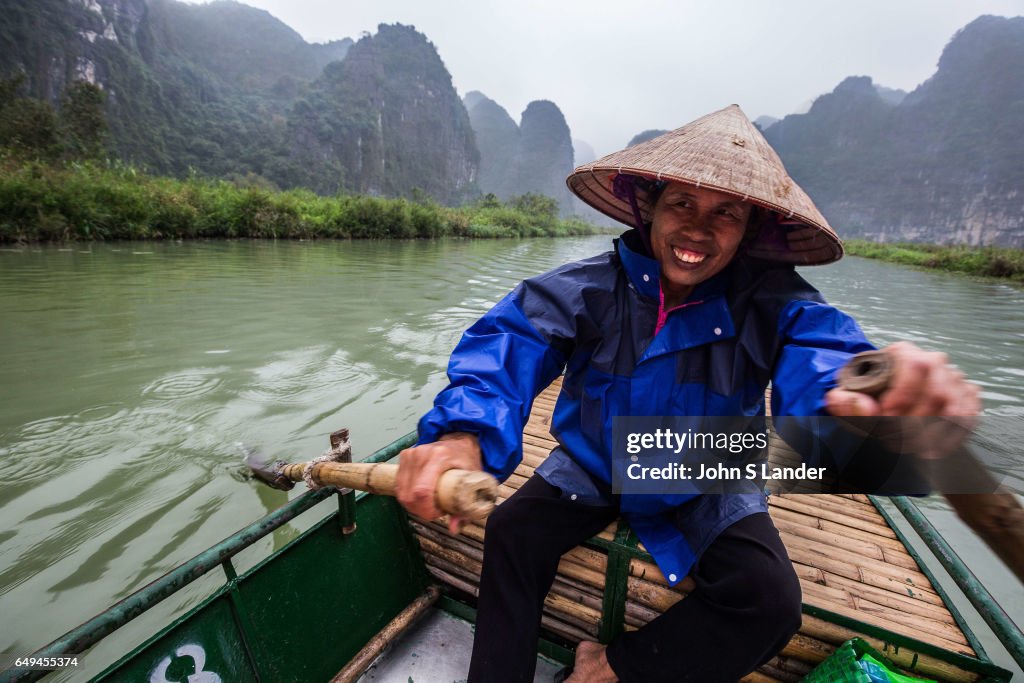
(849, 560)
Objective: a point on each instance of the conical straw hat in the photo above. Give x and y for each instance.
(722, 151)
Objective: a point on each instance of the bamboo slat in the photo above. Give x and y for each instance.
(886, 542)
(651, 595)
(902, 602)
(556, 626)
(637, 615)
(575, 598)
(849, 509)
(808, 649)
(533, 456)
(565, 610)
(859, 497)
(536, 446)
(856, 499)
(515, 480)
(786, 669)
(806, 505)
(387, 635)
(539, 431)
(848, 564)
(758, 677)
(842, 602)
(830, 538)
(866, 577)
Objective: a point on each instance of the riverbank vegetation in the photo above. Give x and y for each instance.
(989, 261)
(99, 201)
(57, 183)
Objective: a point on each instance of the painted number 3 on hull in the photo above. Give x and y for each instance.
(197, 654)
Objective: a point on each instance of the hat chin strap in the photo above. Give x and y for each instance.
(624, 187)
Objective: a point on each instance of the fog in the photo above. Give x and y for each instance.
(615, 71)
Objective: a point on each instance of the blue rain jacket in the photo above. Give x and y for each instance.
(595, 320)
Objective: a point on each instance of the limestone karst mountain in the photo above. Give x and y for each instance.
(534, 156)
(943, 164)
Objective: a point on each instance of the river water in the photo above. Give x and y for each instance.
(134, 373)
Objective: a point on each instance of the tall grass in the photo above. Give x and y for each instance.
(44, 202)
(990, 261)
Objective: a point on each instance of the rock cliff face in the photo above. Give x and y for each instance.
(389, 119)
(54, 42)
(228, 90)
(545, 153)
(649, 134)
(582, 152)
(944, 164)
(173, 73)
(497, 138)
(241, 46)
(535, 156)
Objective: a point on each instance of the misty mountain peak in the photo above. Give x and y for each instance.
(856, 85)
(473, 98)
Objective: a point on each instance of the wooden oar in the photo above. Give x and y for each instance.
(996, 517)
(466, 493)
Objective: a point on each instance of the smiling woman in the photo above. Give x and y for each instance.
(684, 317)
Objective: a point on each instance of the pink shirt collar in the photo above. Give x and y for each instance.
(663, 314)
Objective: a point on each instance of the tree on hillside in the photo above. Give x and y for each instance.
(83, 124)
(28, 127)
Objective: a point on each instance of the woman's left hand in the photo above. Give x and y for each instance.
(923, 383)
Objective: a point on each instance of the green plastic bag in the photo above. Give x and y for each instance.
(857, 662)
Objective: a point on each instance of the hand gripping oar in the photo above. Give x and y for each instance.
(996, 517)
(466, 493)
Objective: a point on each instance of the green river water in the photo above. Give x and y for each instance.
(134, 373)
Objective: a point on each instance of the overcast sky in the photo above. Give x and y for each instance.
(617, 68)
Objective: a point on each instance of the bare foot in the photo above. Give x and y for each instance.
(591, 665)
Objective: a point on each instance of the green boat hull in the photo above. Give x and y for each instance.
(301, 614)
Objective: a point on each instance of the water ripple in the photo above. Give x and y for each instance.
(188, 384)
(43, 429)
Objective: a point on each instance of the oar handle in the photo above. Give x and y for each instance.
(869, 372)
(467, 493)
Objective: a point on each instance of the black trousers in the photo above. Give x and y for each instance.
(745, 607)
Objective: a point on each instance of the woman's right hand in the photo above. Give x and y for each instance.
(420, 467)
